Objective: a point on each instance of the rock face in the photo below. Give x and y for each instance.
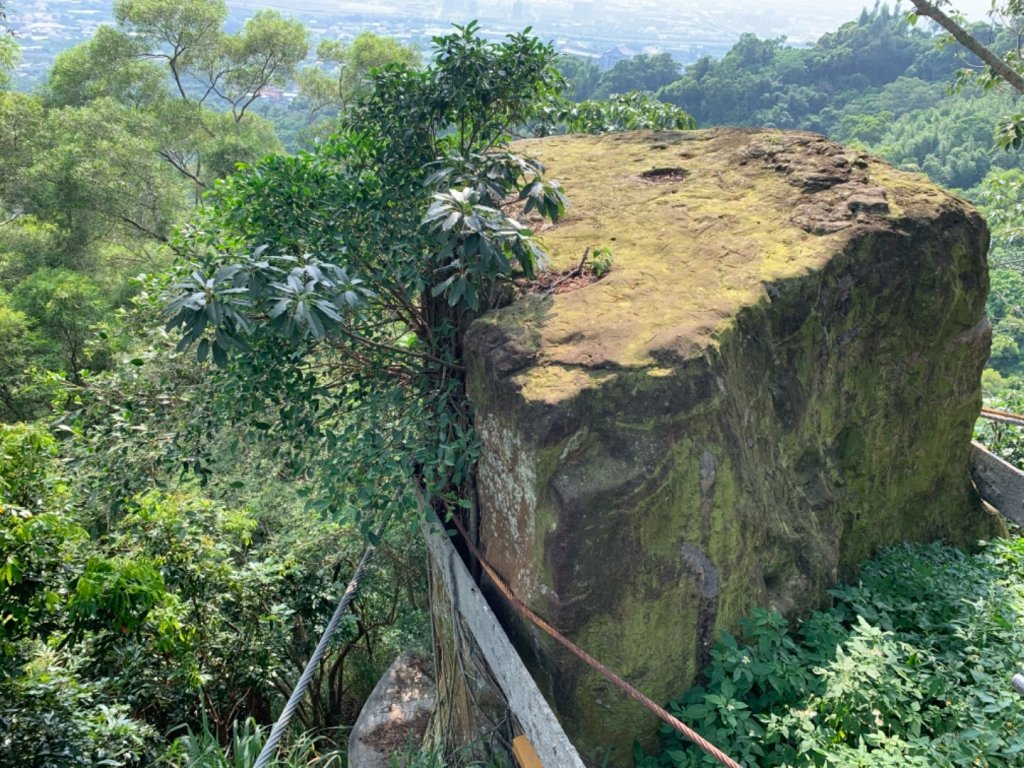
(395, 715)
(779, 375)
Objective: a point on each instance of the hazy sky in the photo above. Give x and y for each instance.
(842, 10)
(972, 8)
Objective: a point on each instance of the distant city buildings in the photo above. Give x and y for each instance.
(608, 59)
(605, 31)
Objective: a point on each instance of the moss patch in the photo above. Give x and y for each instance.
(778, 376)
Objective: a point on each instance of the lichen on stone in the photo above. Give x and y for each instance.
(779, 374)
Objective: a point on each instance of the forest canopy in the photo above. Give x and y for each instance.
(230, 330)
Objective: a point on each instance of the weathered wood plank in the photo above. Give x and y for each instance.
(1000, 483)
(525, 700)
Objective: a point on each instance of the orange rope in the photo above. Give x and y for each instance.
(526, 612)
(574, 649)
(1002, 416)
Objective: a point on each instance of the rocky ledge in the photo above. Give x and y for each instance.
(779, 375)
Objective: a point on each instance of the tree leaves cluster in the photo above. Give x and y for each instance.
(368, 257)
(132, 603)
(100, 167)
(765, 82)
(632, 111)
(121, 626)
(907, 668)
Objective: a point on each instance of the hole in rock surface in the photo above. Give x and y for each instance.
(664, 174)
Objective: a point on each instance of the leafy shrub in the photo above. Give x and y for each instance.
(201, 749)
(631, 111)
(601, 261)
(50, 718)
(911, 667)
(28, 477)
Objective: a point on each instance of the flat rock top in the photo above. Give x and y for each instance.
(700, 224)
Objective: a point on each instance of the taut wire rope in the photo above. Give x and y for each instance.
(281, 725)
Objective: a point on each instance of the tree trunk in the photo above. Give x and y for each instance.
(971, 43)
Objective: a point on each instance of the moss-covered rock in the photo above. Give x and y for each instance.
(779, 375)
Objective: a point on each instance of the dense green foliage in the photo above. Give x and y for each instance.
(630, 111)
(910, 667)
(765, 82)
(340, 79)
(174, 531)
(172, 590)
(175, 610)
(366, 259)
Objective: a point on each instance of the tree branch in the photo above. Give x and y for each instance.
(144, 230)
(356, 338)
(172, 62)
(179, 165)
(971, 43)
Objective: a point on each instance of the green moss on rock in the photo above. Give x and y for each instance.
(779, 375)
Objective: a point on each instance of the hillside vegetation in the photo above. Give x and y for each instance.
(184, 494)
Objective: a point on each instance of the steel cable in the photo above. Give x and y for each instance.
(267, 753)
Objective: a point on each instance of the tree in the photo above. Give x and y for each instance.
(21, 121)
(204, 60)
(342, 76)
(641, 73)
(111, 64)
(768, 83)
(264, 54)
(356, 60)
(1000, 194)
(581, 76)
(9, 52)
(16, 345)
(63, 307)
(623, 112)
(183, 34)
(95, 172)
(176, 66)
(367, 259)
(9, 56)
(1006, 67)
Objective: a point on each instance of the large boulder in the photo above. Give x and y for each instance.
(779, 375)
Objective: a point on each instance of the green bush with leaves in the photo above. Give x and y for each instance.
(341, 281)
(911, 667)
(63, 308)
(173, 610)
(632, 111)
(51, 714)
(52, 718)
